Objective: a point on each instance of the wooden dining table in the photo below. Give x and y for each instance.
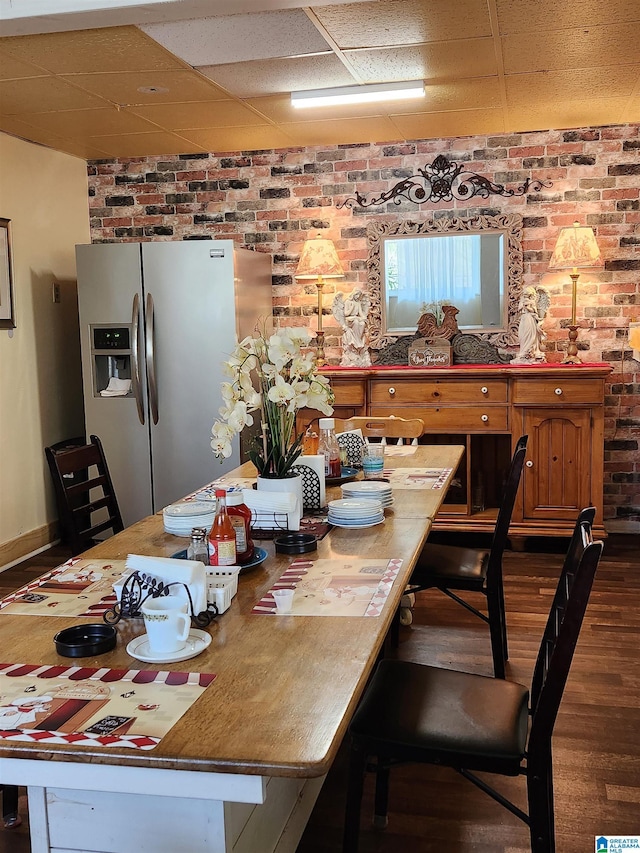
(241, 769)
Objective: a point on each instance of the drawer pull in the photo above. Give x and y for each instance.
(558, 392)
(392, 391)
(484, 389)
(529, 463)
(484, 418)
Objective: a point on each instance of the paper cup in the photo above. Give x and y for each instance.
(283, 599)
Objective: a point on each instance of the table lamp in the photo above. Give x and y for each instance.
(319, 260)
(576, 248)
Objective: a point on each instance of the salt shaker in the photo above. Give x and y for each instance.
(198, 549)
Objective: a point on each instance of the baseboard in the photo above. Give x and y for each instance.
(28, 544)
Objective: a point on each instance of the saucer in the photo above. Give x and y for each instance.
(196, 642)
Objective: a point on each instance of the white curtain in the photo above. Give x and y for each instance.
(439, 269)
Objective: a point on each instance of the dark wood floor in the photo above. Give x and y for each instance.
(597, 739)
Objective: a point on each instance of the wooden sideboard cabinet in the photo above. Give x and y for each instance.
(487, 408)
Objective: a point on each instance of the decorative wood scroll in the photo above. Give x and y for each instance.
(443, 180)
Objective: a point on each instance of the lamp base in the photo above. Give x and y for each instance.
(572, 350)
(320, 348)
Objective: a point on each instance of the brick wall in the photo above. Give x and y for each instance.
(271, 201)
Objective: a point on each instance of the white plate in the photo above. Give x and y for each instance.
(356, 526)
(352, 503)
(187, 509)
(196, 642)
(365, 486)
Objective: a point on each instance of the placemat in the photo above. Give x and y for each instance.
(350, 587)
(417, 478)
(76, 588)
(94, 707)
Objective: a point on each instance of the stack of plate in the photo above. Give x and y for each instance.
(370, 490)
(180, 518)
(350, 512)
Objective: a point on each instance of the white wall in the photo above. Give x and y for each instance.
(44, 194)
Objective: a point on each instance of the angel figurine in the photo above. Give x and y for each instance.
(534, 304)
(351, 313)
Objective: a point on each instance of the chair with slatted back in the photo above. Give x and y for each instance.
(412, 713)
(87, 505)
(453, 569)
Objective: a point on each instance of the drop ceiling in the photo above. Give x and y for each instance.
(131, 79)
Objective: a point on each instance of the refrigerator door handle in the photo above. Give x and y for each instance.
(135, 357)
(151, 358)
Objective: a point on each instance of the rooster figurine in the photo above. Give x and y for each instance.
(429, 327)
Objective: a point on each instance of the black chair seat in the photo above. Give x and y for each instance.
(440, 716)
(448, 564)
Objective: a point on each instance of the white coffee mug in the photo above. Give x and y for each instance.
(167, 622)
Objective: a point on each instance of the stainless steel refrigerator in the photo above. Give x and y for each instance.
(162, 317)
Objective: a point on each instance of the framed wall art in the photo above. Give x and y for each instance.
(7, 316)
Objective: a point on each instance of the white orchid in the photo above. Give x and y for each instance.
(286, 381)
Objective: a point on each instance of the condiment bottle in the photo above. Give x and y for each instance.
(310, 442)
(329, 446)
(240, 518)
(222, 537)
(197, 549)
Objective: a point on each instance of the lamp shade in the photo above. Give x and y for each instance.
(319, 258)
(576, 247)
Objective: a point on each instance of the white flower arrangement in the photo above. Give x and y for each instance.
(274, 376)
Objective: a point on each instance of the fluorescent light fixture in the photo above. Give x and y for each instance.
(358, 94)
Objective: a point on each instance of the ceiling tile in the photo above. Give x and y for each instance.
(85, 123)
(13, 69)
(342, 131)
(541, 89)
(395, 22)
(144, 144)
(199, 115)
(445, 60)
(122, 87)
(523, 16)
(579, 48)
(240, 138)
(248, 79)
(84, 51)
(237, 38)
(35, 94)
(462, 123)
(567, 114)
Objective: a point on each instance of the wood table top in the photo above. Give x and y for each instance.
(286, 686)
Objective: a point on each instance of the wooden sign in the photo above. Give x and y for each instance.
(430, 352)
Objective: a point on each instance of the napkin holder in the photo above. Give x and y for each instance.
(157, 576)
(273, 511)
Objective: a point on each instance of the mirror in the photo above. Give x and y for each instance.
(474, 264)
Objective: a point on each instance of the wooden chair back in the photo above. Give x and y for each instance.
(83, 487)
(402, 429)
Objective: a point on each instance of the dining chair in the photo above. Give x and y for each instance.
(83, 486)
(454, 567)
(413, 713)
(10, 817)
(401, 429)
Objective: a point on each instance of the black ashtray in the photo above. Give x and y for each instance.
(83, 641)
(295, 543)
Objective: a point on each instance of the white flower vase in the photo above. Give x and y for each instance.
(292, 483)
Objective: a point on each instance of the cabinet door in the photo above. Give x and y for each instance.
(557, 472)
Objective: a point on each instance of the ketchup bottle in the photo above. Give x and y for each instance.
(222, 537)
(240, 517)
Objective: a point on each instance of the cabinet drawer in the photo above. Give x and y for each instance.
(348, 392)
(452, 418)
(560, 391)
(438, 391)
